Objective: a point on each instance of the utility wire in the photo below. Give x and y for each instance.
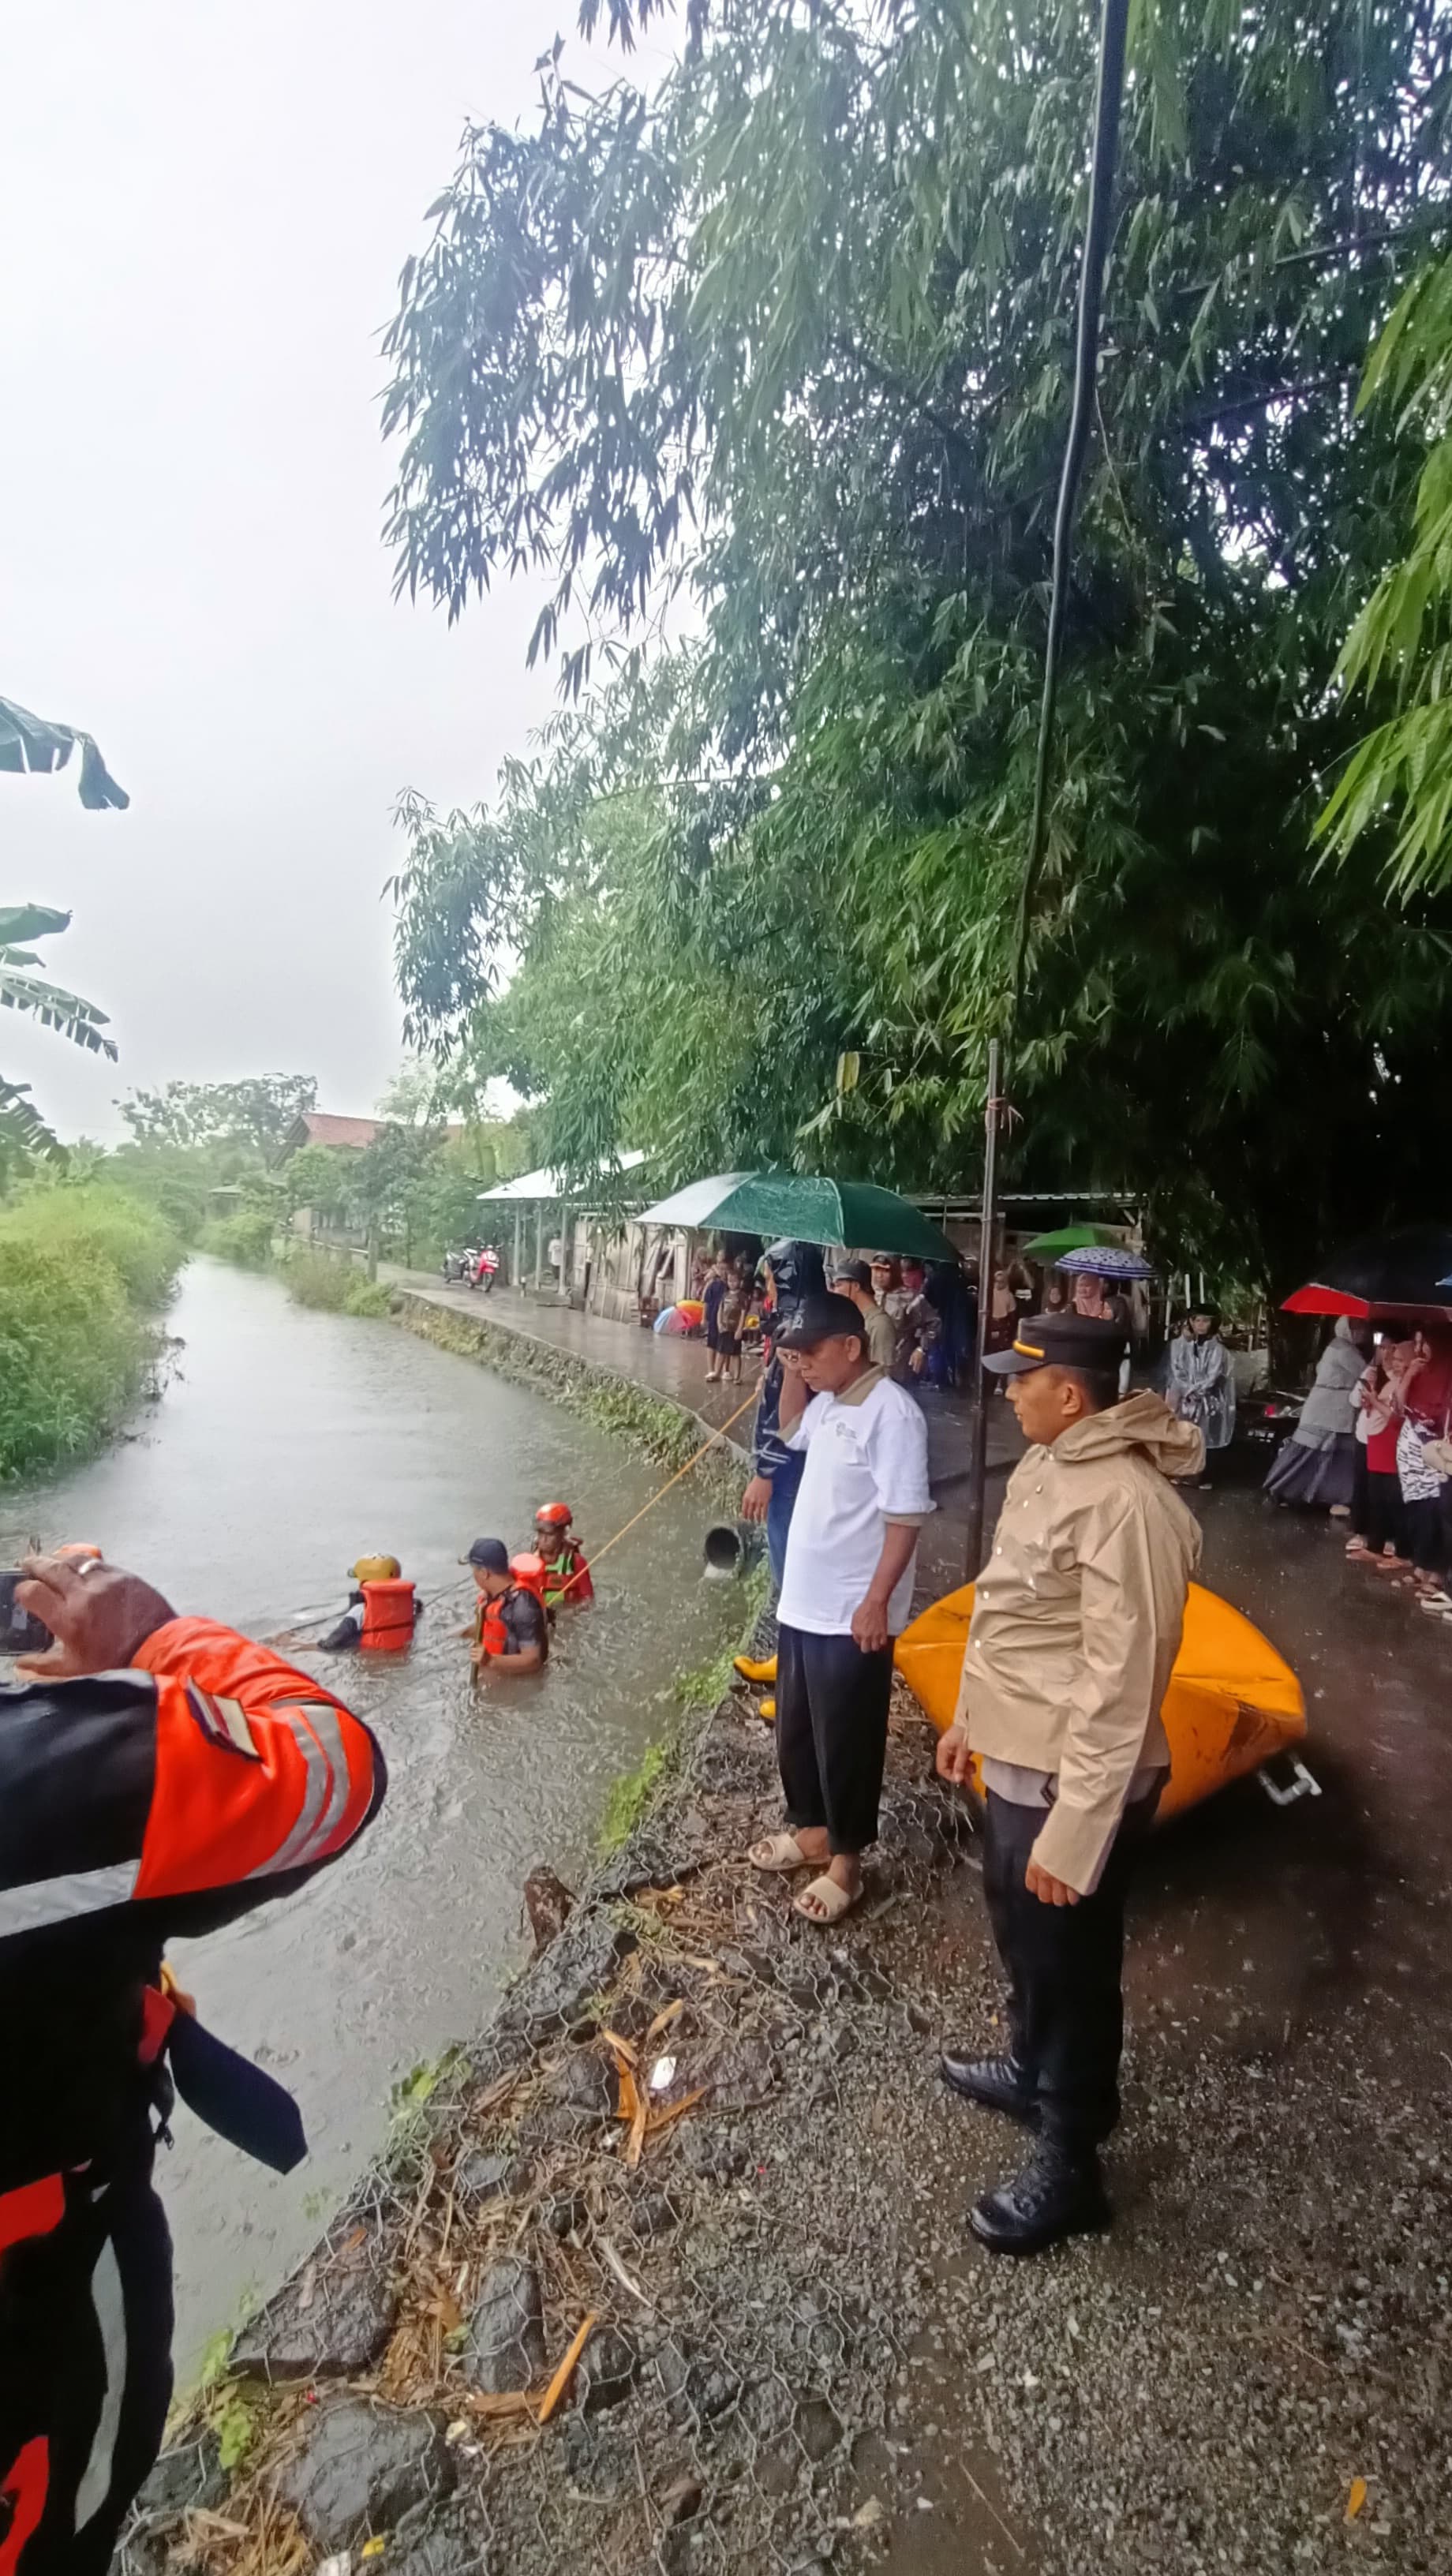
(1112, 27)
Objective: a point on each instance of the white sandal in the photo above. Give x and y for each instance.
(779, 1852)
(835, 1901)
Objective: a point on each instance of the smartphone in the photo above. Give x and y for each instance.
(19, 1633)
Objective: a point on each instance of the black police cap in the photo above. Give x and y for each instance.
(1062, 1341)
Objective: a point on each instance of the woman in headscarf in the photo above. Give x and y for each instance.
(1426, 1411)
(1317, 1465)
(1202, 1382)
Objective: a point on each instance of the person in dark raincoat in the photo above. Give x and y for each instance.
(794, 1272)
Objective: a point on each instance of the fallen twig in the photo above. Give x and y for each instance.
(619, 2270)
(662, 2119)
(565, 2373)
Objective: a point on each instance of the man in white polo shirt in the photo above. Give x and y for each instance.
(845, 1596)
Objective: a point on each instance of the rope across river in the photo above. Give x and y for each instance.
(311, 1619)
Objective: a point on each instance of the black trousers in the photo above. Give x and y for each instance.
(1422, 1533)
(85, 2364)
(1385, 1515)
(1064, 1965)
(831, 1734)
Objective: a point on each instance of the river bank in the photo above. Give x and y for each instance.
(85, 1273)
(286, 1443)
(800, 2359)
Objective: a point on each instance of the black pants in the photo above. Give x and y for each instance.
(1385, 1519)
(1064, 1965)
(1422, 1533)
(831, 1734)
(85, 2365)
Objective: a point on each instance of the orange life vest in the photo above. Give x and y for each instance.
(527, 1574)
(388, 1617)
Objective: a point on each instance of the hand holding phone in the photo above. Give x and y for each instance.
(20, 1634)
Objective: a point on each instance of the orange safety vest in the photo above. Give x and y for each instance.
(528, 1572)
(388, 1617)
(307, 1789)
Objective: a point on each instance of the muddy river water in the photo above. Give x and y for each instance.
(287, 1444)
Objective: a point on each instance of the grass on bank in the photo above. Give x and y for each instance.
(630, 1798)
(311, 1278)
(84, 1269)
(334, 1287)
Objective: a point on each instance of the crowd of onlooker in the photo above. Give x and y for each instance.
(919, 1318)
(1373, 1447)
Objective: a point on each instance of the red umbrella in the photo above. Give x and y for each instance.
(1401, 1274)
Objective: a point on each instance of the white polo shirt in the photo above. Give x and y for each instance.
(866, 1466)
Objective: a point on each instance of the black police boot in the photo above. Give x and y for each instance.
(1057, 2194)
(998, 2083)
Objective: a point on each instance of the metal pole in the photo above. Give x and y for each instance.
(987, 1239)
(538, 1245)
(517, 1275)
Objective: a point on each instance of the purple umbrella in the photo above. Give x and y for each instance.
(1105, 1261)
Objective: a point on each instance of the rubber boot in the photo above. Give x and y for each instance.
(753, 1672)
(1056, 2195)
(997, 2083)
(766, 1708)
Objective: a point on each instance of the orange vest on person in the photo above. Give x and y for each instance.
(168, 1798)
(307, 1789)
(389, 1613)
(528, 1575)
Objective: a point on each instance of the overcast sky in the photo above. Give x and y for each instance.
(205, 205)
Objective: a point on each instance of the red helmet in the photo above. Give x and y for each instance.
(553, 1516)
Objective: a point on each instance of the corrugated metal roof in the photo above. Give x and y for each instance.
(545, 1184)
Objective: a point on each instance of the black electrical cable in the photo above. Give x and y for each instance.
(1112, 28)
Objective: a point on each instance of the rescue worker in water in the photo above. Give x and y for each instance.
(382, 1611)
(510, 1631)
(158, 1776)
(567, 1568)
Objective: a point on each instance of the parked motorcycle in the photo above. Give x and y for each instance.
(486, 1265)
(1267, 1418)
(458, 1267)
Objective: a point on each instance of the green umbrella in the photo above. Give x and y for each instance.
(815, 1211)
(1069, 1238)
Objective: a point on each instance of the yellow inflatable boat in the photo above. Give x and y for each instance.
(1231, 1705)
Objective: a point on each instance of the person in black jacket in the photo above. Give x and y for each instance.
(793, 1271)
(158, 1777)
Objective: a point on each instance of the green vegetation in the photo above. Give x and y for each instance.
(245, 1238)
(320, 1279)
(791, 328)
(83, 1271)
(32, 743)
(629, 1798)
(1397, 788)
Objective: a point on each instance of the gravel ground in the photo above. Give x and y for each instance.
(801, 2360)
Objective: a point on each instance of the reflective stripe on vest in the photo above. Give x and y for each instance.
(59, 1900)
(319, 1739)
